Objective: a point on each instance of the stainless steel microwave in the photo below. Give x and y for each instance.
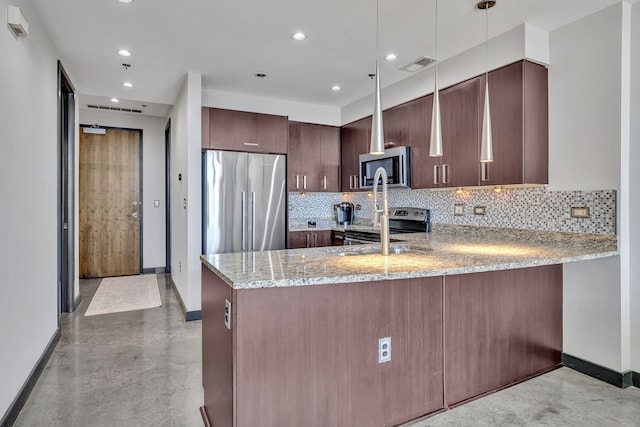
(395, 161)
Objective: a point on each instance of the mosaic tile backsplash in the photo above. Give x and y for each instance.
(525, 208)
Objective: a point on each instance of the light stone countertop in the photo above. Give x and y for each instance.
(447, 250)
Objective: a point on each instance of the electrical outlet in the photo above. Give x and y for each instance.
(458, 209)
(579, 212)
(479, 210)
(227, 314)
(384, 350)
(156, 203)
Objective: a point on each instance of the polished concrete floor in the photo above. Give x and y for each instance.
(136, 368)
(562, 397)
(143, 368)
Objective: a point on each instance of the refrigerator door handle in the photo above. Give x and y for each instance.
(244, 222)
(253, 220)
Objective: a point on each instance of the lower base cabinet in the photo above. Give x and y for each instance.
(308, 355)
(309, 239)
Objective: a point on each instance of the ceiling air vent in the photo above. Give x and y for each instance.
(418, 64)
(107, 107)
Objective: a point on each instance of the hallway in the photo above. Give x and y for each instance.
(137, 368)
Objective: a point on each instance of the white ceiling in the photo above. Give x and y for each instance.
(228, 41)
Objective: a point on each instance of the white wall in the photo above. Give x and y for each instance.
(153, 183)
(28, 194)
(585, 131)
(186, 196)
(584, 103)
(297, 111)
(634, 190)
(521, 42)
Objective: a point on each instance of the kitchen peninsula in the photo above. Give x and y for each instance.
(468, 311)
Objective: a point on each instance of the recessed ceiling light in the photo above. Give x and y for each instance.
(124, 52)
(126, 1)
(335, 88)
(391, 57)
(298, 36)
(115, 100)
(127, 84)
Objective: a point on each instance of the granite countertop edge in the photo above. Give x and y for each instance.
(445, 256)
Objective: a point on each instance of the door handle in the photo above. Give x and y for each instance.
(307, 240)
(445, 174)
(350, 182)
(304, 182)
(253, 220)
(485, 171)
(244, 221)
(315, 240)
(436, 174)
(297, 182)
(325, 183)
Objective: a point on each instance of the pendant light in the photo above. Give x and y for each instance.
(377, 133)
(435, 144)
(486, 146)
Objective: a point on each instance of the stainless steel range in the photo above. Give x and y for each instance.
(401, 220)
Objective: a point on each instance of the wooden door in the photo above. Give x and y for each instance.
(311, 158)
(110, 203)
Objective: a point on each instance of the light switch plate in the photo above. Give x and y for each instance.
(479, 210)
(579, 212)
(458, 209)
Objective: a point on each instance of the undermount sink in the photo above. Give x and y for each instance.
(399, 250)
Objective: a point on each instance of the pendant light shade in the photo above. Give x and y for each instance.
(435, 143)
(486, 146)
(377, 132)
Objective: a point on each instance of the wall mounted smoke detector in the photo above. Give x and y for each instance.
(17, 22)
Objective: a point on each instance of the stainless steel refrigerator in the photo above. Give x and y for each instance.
(244, 202)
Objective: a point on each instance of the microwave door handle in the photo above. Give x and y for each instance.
(402, 171)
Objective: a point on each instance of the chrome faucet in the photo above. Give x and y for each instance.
(381, 173)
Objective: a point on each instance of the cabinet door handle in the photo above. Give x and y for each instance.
(315, 240)
(304, 182)
(356, 182)
(307, 240)
(244, 222)
(251, 144)
(325, 183)
(485, 171)
(297, 182)
(350, 182)
(436, 174)
(445, 174)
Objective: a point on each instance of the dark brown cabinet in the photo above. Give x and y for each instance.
(355, 141)
(461, 126)
(245, 131)
(500, 327)
(396, 126)
(422, 165)
(313, 160)
(309, 239)
(519, 110)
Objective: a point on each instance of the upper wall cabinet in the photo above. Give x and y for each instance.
(518, 97)
(396, 126)
(313, 160)
(355, 141)
(244, 131)
(425, 170)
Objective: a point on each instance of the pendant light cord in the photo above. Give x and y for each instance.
(377, 33)
(486, 41)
